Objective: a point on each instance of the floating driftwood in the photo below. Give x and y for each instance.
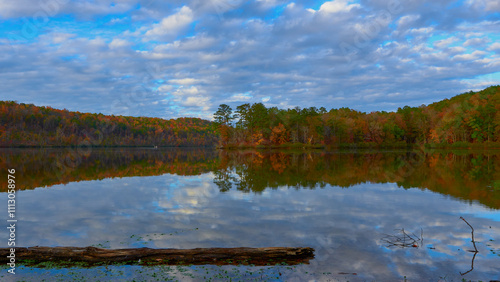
(91, 256)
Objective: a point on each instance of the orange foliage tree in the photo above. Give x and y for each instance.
(279, 135)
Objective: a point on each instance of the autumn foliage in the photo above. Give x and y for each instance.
(279, 135)
(468, 119)
(29, 125)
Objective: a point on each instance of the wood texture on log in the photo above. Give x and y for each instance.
(89, 256)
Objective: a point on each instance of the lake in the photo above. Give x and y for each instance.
(369, 215)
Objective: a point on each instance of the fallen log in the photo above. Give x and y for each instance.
(91, 256)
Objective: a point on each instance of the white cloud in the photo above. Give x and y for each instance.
(196, 101)
(193, 90)
(199, 42)
(165, 88)
(494, 47)
(10, 9)
(118, 43)
(97, 42)
(240, 97)
(58, 38)
(445, 42)
(172, 24)
(457, 49)
(185, 81)
(476, 41)
(337, 6)
(50, 8)
(486, 5)
(407, 20)
(469, 57)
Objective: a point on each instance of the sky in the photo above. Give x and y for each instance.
(174, 59)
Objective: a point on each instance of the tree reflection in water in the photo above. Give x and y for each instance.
(467, 175)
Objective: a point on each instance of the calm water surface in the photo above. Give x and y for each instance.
(351, 207)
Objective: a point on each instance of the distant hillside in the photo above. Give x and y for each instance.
(467, 120)
(29, 125)
(469, 117)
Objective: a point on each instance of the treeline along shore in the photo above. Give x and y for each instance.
(30, 125)
(468, 120)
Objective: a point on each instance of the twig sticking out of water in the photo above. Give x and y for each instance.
(404, 240)
(475, 248)
(472, 233)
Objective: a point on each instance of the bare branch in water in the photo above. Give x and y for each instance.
(475, 248)
(404, 240)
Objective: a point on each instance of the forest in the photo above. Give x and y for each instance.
(29, 125)
(469, 119)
